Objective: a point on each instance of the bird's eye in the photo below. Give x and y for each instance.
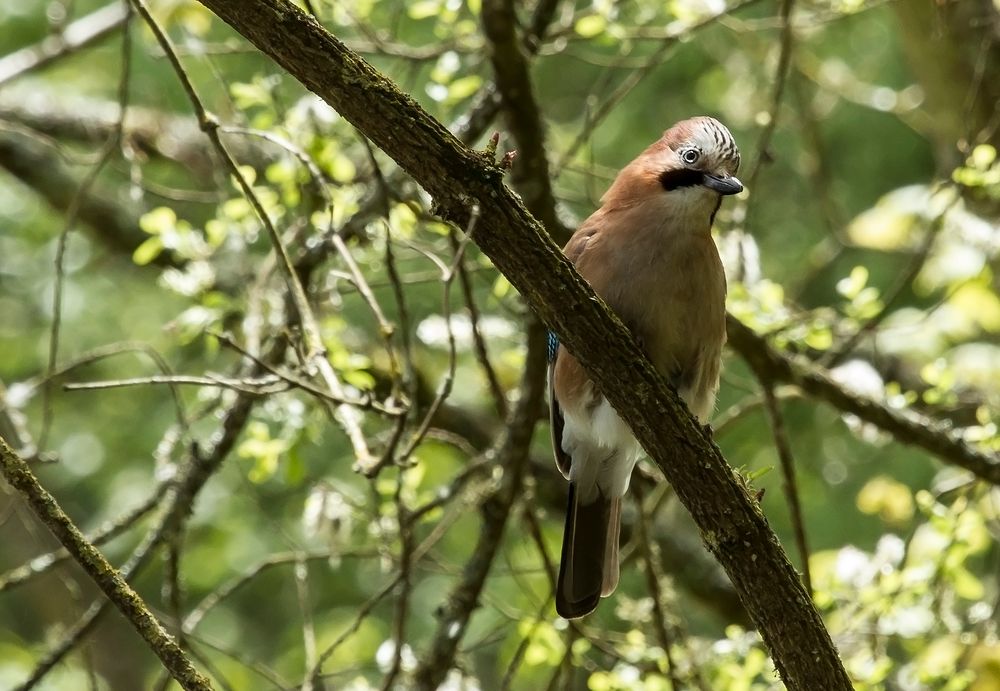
(689, 156)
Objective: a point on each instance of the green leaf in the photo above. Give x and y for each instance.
(967, 585)
(599, 681)
(342, 169)
(590, 26)
(148, 251)
(424, 9)
(983, 156)
(249, 95)
(264, 450)
(215, 232)
(819, 337)
(501, 287)
(360, 379)
(850, 287)
(295, 467)
(158, 221)
(464, 87)
(888, 498)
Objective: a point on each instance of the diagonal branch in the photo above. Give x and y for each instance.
(77, 35)
(730, 520)
(15, 470)
(906, 427)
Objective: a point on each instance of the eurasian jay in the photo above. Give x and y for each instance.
(648, 252)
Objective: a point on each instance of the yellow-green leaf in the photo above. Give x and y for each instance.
(148, 251)
(590, 26)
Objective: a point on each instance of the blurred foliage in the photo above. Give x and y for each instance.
(857, 224)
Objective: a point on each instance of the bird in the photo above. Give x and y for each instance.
(648, 253)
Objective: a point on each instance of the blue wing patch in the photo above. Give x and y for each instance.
(553, 346)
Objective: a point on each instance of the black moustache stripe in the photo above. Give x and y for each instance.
(683, 177)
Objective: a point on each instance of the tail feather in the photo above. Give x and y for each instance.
(588, 569)
(610, 572)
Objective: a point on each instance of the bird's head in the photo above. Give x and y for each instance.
(688, 169)
(699, 154)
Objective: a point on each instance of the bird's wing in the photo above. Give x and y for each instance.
(574, 250)
(581, 238)
(556, 421)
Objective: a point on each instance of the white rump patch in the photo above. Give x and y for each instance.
(603, 451)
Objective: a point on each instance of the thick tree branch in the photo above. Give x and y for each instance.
(730, 520)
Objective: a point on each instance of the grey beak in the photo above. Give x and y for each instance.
(723, 184)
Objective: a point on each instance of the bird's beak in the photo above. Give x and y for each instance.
(723, 184)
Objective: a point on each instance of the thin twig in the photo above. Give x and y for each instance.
(223, 592)
(478, 342)
(402, 608)
(315, 350)
(905, 426)
(301, 571)
(246, 660)
(635, 77)
(535, 531)
(72, 637)
(512, 454)
(778, 90)
(112, 143)
(358, 279)
(259, 386)
(892, 294)
(444, 388)
(654, 576)
(790, 484)
(365, 609)
(86, 622)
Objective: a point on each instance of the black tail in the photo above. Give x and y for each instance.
(588, 569)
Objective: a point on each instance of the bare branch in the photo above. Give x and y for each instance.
(904, 426)
(117, 590)
(315, 350)
(79, 34)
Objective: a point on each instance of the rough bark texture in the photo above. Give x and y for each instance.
(731, 522)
